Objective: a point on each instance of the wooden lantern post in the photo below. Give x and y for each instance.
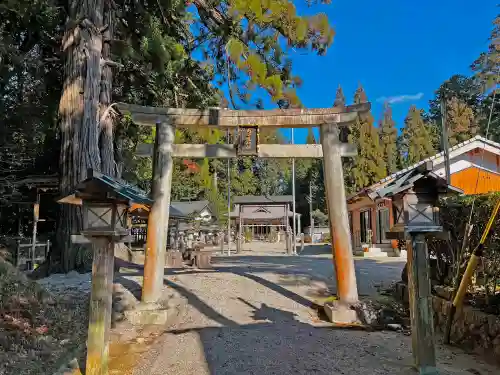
(416, 215)
(105, 205)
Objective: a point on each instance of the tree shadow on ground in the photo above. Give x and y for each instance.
(277, 343)
(371, 274)
(194, 301)
(295, 271)
(316, 249)
(131, 285)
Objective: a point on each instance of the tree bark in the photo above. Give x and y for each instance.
(90, 156)
(106, 120)
(71, 114)
(79, 119)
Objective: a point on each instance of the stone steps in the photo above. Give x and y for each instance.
(381, 251)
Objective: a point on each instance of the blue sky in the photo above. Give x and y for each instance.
(395, 48)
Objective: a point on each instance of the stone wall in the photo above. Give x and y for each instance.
(473, 330)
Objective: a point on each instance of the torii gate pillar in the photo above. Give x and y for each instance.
(156, 242)
(343, 260)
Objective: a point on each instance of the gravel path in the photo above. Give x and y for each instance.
(253, 316)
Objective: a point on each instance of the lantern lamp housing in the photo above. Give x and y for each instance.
(105, 218)
(415, 198)
(105, 202)
(415, 209)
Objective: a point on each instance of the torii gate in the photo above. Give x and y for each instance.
(332, 149)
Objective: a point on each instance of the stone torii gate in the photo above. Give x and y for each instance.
(247, 124)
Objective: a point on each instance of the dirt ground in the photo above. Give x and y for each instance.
(252, 314)
(37, 329)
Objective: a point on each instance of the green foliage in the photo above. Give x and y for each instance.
(466, 89)
(452, 212)
(416, 142)
(308, 174)
(247, 41)
(388, 140)
(487, 66)
(458, 87)
(303, 166)
(339, 98)
(320, 218)
(207, 179)
(461, 121)
(158, 68)
(493, 127)
(247, 235)
(470, 98)
(152, 45)
(30, 84)
(310, 139)
(245, 44)
(368, 166)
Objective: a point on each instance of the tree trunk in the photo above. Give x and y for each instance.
(106, 121)
(90, 156)
(79, 118)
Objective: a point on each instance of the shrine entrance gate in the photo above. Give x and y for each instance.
(246, 124)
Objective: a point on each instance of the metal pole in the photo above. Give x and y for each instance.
(154, 264)
(293, 203)
(347, 290)
(445, 140)
(228, 200)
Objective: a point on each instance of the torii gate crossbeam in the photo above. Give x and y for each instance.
(331, 149)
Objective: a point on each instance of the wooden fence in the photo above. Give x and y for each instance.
(27, 256)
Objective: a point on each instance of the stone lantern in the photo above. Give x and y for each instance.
(104, 203)
(415, 198)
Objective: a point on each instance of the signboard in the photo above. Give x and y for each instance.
(36, 211)
(248, 140)
(139, 221)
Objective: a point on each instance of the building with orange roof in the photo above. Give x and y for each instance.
(474, 168)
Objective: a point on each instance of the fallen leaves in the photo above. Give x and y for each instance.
(33, 324)
(41, 330)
